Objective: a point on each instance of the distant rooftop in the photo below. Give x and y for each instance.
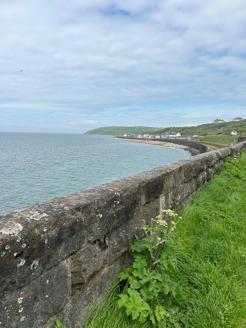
(219, 120)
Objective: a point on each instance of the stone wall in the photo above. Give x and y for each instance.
(59, 257)
(241, 139)
(193, 147)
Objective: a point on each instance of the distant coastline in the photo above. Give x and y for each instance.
(217, 133)
(193, 147)
(155, 143)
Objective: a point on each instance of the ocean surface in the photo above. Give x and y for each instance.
(39, 167)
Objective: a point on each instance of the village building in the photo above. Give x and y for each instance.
(237, 119)
(219, 120)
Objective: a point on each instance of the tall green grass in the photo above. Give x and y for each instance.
(210, 247)
(219, 139)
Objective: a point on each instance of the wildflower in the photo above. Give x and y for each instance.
(162, 222)
(169, 213)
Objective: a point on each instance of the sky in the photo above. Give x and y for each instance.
(70, 66)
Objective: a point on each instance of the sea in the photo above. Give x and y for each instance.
(38, 167)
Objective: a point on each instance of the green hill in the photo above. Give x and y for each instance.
(121, 130)
(213, 133)
(224, 128)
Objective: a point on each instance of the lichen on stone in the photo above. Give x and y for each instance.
(36, 215)
(34, 265)
(12, 228)
(21, 263)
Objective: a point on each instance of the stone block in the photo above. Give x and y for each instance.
(43, 240)
(32, 305)
(76, 311)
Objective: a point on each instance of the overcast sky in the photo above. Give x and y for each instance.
(69, 66)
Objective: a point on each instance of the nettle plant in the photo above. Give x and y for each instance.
(150, 282)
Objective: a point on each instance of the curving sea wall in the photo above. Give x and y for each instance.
(240, 139)
(59, 257)
(193, 147)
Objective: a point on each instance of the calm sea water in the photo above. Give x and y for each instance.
(38, 167)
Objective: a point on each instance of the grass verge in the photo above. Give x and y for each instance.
(219, 139)
(209, 245)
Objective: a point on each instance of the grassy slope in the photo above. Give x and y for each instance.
(209, 129)
(120, 130)
(204, 129)
(210, 246)
(219, 139)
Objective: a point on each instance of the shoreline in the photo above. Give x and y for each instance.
(156, 143)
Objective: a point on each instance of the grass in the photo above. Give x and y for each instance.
(224, 128)
(219, 139)
(210, 247)
(121, 130)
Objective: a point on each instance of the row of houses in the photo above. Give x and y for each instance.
(169, 136)
(158, 136)
(220, 120)
(178, 135)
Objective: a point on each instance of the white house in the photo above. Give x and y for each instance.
(174, 136)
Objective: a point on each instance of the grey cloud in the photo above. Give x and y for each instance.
(75, 56)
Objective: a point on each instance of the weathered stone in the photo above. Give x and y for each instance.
(167, 201)
(224, 152)
(76, 311)
(89, 260)
(194, 147)
(102, 252)
(169, 182)
(31, 306)
(201, 179)
(43, 241)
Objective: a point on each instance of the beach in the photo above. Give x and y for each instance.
(156, 143)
